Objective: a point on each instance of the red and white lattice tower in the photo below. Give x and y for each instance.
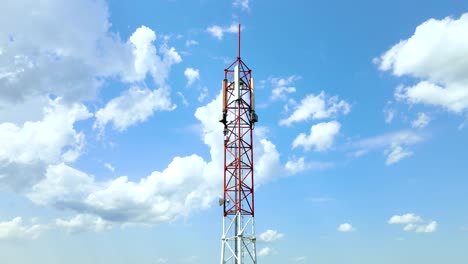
(238, 118)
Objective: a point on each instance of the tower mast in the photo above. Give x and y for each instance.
(238, 118)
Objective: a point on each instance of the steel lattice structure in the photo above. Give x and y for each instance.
(238, 118)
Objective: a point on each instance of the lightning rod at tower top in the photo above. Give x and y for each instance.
(238, 241)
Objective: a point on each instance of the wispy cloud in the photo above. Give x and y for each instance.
(219, 31)
(319, 199)
(395, 145)
(421, 121)
(270, 236)
(243, 4)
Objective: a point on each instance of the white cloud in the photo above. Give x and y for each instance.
(66, 60)
(137, 104)
(414, 223)
(319, 200)
(405, 219)
(82, 223)
(61, 182)
(75, 57)
(191, 42)
(162, 260)
(321, 136)
(437, 53)
(422, 121)
(191, 259)
(409, 227)
(27, 149)
(203, 95)
(396, 153)
(394, 144)
(296, 165)
(389, 114)
(346, 228)
(15, 229)
(109, 167)
(148, 60)
(405, 137)
(280, 92)
(264, 252)
(192, 75)
(186, 185)
(43, 140)
(300, 259)
(429, 228)
(69, 63)
(282, 86)
(316, 107)
(243, 4)
(218, 31)
(134, 106)
(182, 96)
(270, 236)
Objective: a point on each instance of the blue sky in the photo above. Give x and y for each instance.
(111, 151)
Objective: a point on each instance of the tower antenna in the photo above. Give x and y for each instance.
(238, 41)
(238, 242)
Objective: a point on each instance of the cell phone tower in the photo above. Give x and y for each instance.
(239, 118)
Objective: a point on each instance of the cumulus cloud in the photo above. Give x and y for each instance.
(61, 182)
(395, 145)
(74, 58)
(429, 228)
(321, 136)
(264, 252)
(132, 107)
(422, 121)
(187, 184)
(58, 62)
(219, 31)
(27, 149)
(192, 75)
(346, 228)
(409, 218)
(437, 54)
(282, 86)
(138, 104)
(43, 140)
(316, 107)
(270, 236)
(82, 222)
(414, 223)
(45, 78)
(148, 60)
(15, 229)
(295, 165)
